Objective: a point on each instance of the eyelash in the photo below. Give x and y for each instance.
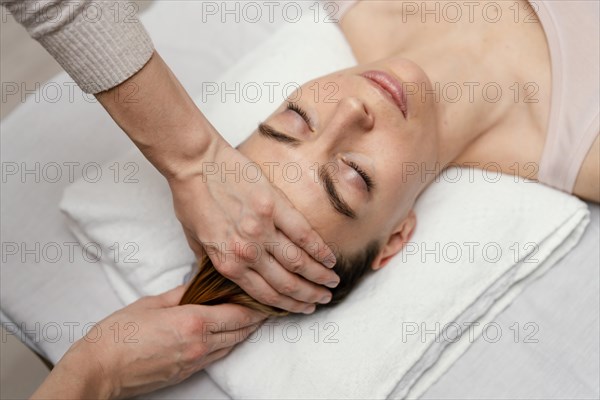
(364, 175)
(296, 108)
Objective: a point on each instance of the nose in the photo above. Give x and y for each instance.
(350, 122)
(355, 115)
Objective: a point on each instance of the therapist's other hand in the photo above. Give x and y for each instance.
(148, 345)
(245, 227)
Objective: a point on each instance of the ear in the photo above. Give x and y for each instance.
(397, 240)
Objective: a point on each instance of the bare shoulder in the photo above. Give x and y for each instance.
(587, 185)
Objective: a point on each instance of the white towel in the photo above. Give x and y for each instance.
(364, 347)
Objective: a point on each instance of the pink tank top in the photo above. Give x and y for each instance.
(572, 32)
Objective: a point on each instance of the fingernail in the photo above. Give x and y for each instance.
(329, 262)
(332, 284)
(325, 299)
(309, 310)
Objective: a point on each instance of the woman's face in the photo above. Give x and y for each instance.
(348, 156)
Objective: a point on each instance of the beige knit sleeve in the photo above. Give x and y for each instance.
(99, 43)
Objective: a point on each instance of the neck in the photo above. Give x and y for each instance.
(465, 72)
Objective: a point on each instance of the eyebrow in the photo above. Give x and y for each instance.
(271, 133)
(334, 198)
(338, 203)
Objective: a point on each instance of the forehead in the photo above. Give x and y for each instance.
(292, 172)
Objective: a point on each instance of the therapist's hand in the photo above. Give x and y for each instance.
(221, 215)
(150, 344)
(246, 228)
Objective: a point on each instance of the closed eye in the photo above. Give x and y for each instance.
(368, 181)
(300, 111)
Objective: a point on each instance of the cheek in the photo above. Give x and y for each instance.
(345, 238)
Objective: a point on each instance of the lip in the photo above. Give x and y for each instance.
(391, 87)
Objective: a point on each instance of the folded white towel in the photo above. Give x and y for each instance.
(479, 240)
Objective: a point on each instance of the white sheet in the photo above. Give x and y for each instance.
(555, 354)
(564, 303)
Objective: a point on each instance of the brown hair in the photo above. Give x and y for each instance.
(209, 287)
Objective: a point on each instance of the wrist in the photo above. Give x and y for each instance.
(77, 375)
(194, 166)
(158, 115)
(83, 361)
(190, 161)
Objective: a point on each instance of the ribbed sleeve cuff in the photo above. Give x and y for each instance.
(100, 49)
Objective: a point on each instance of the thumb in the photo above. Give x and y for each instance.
(169, 298)
(194, 243)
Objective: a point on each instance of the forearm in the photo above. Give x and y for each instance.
(76, 376)
(162, 120)
(99, 43)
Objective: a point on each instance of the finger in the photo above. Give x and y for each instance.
(225, 317)
(221, 340)
(172, 297)
(214, 356)
(293, 225)
(290, 284)
(297, 261)
(255, 285)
